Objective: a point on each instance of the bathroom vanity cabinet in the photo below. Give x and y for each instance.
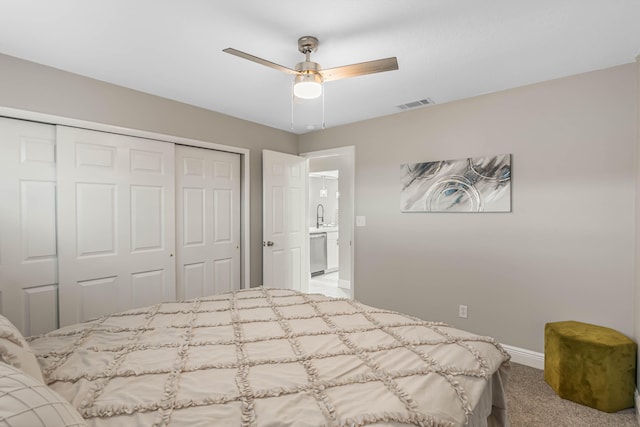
(332, 251)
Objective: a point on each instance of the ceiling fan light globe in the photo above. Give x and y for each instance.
(307, 90)
(307, 86)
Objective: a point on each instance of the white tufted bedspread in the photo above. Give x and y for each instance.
(274, 357)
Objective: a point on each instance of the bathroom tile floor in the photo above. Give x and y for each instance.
(327, 284)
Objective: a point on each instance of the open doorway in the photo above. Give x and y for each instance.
(330, 218)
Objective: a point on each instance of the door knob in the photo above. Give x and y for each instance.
(267, 243)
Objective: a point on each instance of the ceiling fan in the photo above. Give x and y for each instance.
(310, 76)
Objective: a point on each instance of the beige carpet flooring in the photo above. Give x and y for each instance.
(533, 403)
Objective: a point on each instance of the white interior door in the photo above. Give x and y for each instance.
(28, 255)
(284, 228)
(116, 223)
(207, 221)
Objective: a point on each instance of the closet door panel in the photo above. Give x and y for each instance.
(193, 280)
(41, 309)
(116, 224)
(28, 253)
(147, 287)
(147, 222)
(97, 297)
(224, 275)
(208, 210)
(96, 216)
(193, 200)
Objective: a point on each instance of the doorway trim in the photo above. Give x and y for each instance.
(349, 150)
(245, 218)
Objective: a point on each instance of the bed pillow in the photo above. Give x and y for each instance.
(15, 351)
(25, 402)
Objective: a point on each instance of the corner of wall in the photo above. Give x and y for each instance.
(636, 309)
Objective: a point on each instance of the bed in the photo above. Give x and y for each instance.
(273, 357)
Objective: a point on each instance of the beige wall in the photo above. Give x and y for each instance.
(567, 249)
(28, 86)
(565, 252)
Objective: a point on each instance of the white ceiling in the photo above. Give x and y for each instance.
(446, 49)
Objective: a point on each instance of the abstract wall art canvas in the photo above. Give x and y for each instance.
(475, 184)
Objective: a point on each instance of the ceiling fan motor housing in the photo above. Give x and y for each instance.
(307, 44)
(308, 67)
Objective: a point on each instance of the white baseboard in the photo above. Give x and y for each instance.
(344, 284)
(525, 357)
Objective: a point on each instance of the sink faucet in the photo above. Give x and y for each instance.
(319, 216)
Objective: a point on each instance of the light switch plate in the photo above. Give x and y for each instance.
(361, 221)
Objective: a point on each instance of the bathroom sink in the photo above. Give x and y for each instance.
(323, 228)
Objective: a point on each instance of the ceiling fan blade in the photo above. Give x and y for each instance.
(259, 60)
(353, 70)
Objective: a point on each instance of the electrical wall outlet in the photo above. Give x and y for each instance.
(462, 311)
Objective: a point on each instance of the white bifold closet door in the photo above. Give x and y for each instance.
(207, 221)
(116, 223)
(28, 255)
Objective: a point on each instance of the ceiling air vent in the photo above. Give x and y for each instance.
(414, 104)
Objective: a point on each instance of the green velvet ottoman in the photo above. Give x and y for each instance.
(591, 365)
